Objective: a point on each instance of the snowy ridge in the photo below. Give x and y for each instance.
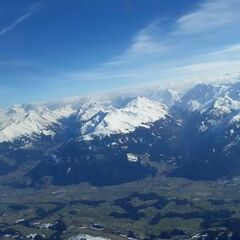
(201, 94)
(88, 110)
(140, 112)
(221, 106)
(222, 113)
(25, 122)
(216, 104)
(93, 118)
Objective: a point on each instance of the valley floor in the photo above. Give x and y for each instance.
(154, 208)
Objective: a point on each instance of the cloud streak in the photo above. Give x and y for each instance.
(198, 46)
(145, 40)
(204, 38)
(30, 11)
(212, 14)
(210, 20)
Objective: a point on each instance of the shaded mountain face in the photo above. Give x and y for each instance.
(112, 159)
(116, 140)
(210, 130)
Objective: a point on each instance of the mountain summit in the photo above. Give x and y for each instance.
(126, 138)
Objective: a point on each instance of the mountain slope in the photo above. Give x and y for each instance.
(211, 131)
(114, 140)
(21, 121)
(139, 112)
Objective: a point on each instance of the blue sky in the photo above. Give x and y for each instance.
(61, 48)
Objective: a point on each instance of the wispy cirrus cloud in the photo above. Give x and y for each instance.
(210, 15)
(20, 19)
(146, 40)
(228, 50)
(195, 48)
(209, 20)
(204, 39)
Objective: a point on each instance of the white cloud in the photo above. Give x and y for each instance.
(212, 71)
(31, 10)
(167, 57)
(216, 16)
(232, 49)
(212, 14)
(146, 40)
(209, 66)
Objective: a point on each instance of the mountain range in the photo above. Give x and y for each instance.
(193, 134)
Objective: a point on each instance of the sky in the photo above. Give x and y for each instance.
(51, 49)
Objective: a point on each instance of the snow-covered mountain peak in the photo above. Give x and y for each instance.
(203, 95)
(20, 121)
(121, 101)
(89, 110)
(226, 104)
(91, 104)
(140, 102)
(123, 113)
(94, 118)
(140, 112)
(221, 106)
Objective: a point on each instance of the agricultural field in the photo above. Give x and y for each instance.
(153, 208)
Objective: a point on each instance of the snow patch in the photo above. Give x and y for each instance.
(132, 157)
(87, 237)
